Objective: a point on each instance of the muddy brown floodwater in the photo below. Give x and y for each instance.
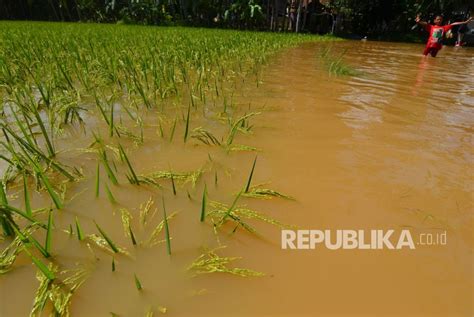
(390, 148)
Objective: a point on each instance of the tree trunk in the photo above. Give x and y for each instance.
(298, 16)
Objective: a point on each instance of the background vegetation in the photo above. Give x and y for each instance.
(379, 18)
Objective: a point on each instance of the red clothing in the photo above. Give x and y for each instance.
(436, 35)
(430, 50)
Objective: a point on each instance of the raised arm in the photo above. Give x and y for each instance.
(418, 21)
(464, 22)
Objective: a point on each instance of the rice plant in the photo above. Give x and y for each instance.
(80, 234)
(211, 262)
(138, 284)
(132, 176)
(249, 181)
(335, 64)
(203, 204)
(58, 292)
(107, 239)
(265, 193)
(167, 231)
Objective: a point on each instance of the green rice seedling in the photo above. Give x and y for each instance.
(28, 238)
(132, 177)
(41, 266)
(186, 129)
(231, 208)
(138, 284)
(203, 204)
(211, 262)
(113, 264)
(110, 196)
(249, 181)
(49, 232)
(31, 151)
(132, 236)
(44, 179)
(27, 134)
(100, 106)
(160, 127)
(107, 166)
(109, 241)
(173, 128)
(26, 195)
(6, 217)
(335, 64)
(49, 142)
(167, 231)
(30, 155)
(80, 234)
(6, 212)
(173, 185)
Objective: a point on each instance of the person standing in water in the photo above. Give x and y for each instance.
(437, 32)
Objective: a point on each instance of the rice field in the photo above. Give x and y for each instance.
(111, 134)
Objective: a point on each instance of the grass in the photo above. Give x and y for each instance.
(335, 64)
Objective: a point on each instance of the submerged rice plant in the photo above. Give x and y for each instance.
(335, 64)
(211, 262)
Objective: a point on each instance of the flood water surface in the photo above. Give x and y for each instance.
(389, 148)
